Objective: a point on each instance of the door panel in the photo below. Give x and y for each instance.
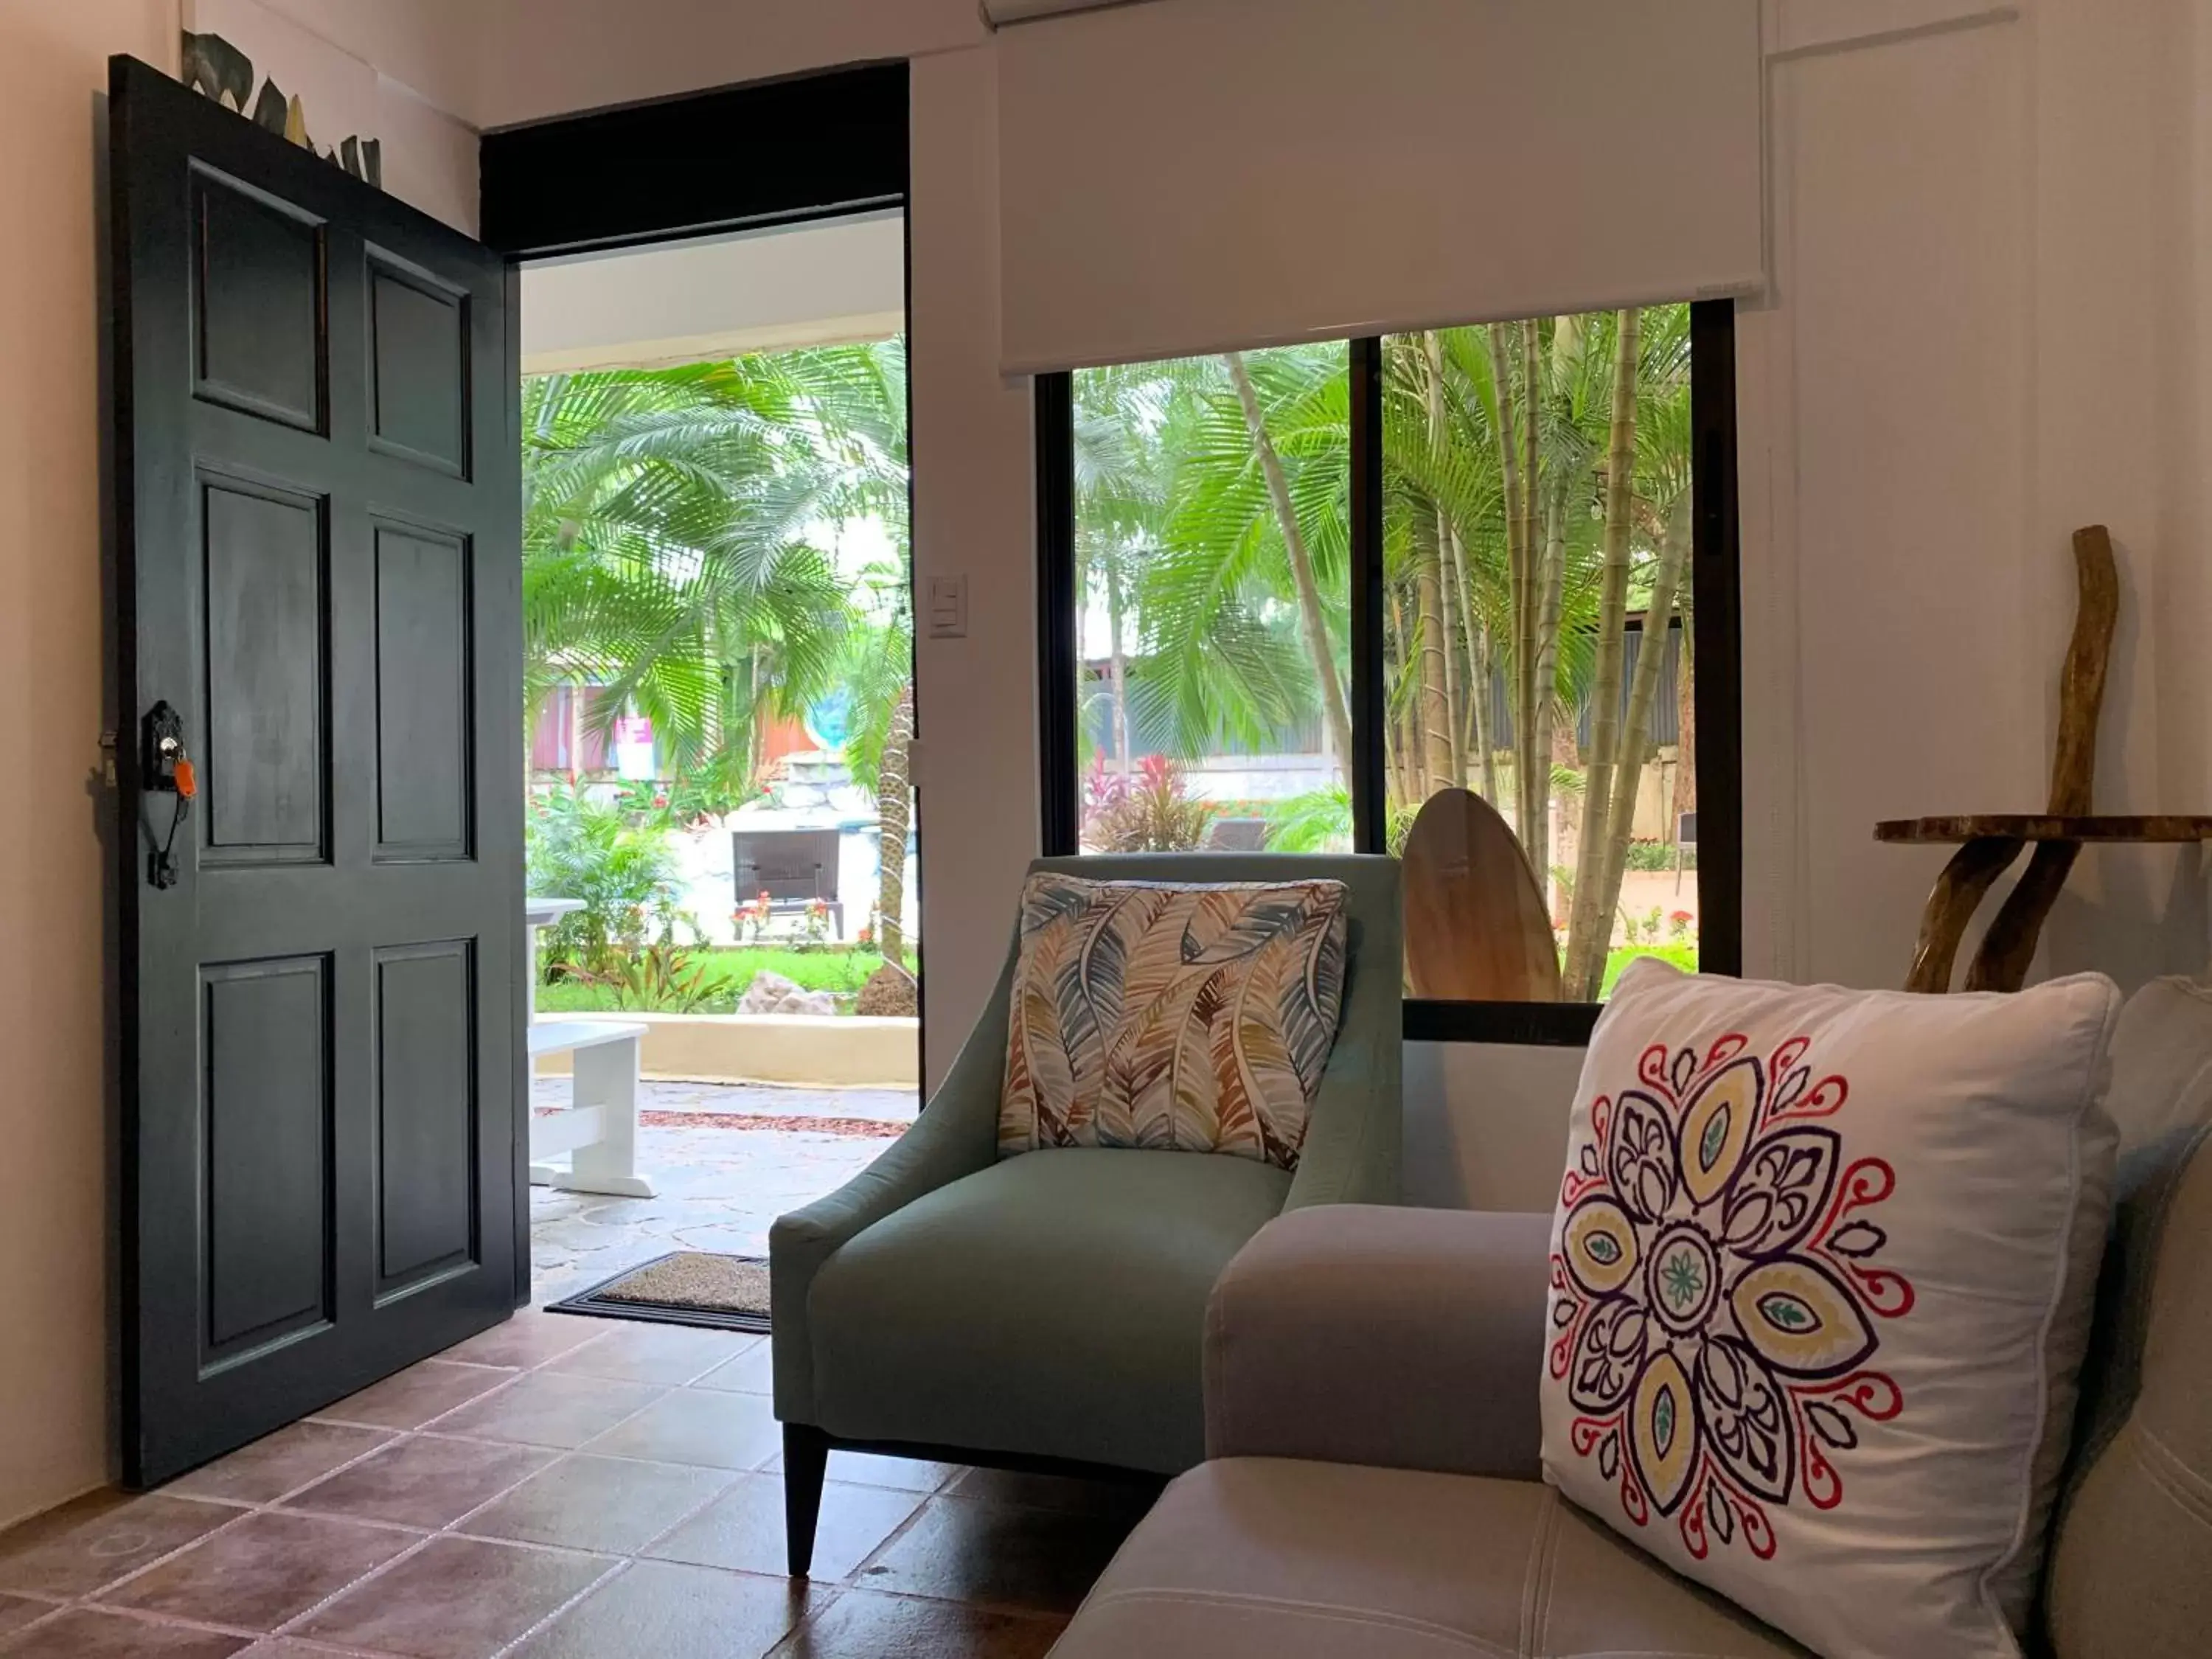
(319, 568)
(419, 332)
(258, 266)
(265, 1116)
(263, 564)
(426, 1114)
(424, 760)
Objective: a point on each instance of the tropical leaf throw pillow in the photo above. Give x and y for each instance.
(1820, 1277)
(1185, 1018)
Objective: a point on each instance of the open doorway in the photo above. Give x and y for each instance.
(718, 706)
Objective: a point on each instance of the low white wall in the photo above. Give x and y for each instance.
(1486, 1124)
(849, 1052)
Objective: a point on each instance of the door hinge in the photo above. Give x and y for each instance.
(108, 757)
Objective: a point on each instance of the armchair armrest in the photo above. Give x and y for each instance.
(1361, 1334)
(956, 1135)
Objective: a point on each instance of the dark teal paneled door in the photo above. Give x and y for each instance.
(318, 582)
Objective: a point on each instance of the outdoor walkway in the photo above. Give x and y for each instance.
(726, 1160)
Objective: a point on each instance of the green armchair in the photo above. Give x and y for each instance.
(1047, 1309)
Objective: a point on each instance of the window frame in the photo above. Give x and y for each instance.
(1716, 639)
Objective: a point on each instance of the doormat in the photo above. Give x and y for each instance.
(685, 1287)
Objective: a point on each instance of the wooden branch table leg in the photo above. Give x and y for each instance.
(2000, 963)
(1959, 890)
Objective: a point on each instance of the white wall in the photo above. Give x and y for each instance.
(54, 1218)
(1984, 330)
(53, 1204)
(541, 58)
(413, 62)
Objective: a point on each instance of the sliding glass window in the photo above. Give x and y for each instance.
(1211, 594)
(1538, 509)
(1465, 596)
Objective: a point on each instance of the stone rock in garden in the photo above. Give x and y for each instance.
(889, 991)
(772, 994)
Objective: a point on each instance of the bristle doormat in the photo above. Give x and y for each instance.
(685, 1287)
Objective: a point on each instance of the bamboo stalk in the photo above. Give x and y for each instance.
(1590, 930)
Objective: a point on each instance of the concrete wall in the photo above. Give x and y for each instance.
(851, 1051)
(54, 1218)
(53, 1205)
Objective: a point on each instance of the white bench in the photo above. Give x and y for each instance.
(598, 1127)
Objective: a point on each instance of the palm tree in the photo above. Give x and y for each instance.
(1501, 449)
(1242, 605)
(879, 675)
(670, 523)
(1120, 493)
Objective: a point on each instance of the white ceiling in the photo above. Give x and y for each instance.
(695, 302)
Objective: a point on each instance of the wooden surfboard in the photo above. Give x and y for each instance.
(1476, 927)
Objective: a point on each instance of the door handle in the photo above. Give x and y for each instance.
(164, 767)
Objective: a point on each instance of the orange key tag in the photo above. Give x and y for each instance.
(188, 783)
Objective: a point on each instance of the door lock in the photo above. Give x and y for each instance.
(164, 767)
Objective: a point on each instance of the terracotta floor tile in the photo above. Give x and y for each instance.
(907, 1473)
(744, 1529)
(639, 1352)
(752, 1371)
(264, 1572)
(1132, 1500)
(1002, 1555)
(531, 1338)
(605, 1504)
(414, 1396)
(15, 1611)
(73, 1550)
(277, 1464)
(547, 1409)
(87, 1633)
(423, 1482)
(457, 1598)
(676, 1613)
(859, 1625)
(697, 1426)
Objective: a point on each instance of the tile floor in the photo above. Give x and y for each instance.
(556, 1488)
(718, 1188)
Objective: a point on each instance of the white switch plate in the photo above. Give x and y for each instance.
(948, 607)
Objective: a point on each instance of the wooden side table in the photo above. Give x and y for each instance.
(1988, 842)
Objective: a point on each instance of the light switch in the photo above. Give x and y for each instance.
(948, 607)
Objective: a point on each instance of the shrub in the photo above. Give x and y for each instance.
(580, 848)
(1152, 812)
(1649, 855)
(659, 979)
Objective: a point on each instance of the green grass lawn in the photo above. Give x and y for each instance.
(1684, 956)
(731, 971)
(846, 971)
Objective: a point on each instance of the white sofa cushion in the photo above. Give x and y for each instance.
(1821, 1281)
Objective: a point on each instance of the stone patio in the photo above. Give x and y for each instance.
(720, 1183)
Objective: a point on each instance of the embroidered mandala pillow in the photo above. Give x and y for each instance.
(1187, 1019)
(1820, 1277)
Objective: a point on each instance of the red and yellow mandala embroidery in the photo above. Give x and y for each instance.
(1713, 1292)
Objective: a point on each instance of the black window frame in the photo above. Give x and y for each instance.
(1715, 634)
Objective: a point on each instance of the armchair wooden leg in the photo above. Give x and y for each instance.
(806, 1464)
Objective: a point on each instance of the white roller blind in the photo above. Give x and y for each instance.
(1184, 176)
